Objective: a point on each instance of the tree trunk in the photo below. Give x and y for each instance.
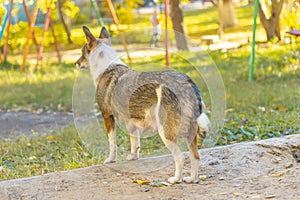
(61, 14)
(177, 21)
(227, 17)
(271, 23)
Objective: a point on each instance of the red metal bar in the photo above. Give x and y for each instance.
(55, 40)
(29, 22)
(5, 50)
(46, 26)
(166, 33)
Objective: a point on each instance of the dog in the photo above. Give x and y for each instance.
(167, 101)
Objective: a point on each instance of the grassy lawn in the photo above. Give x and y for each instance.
(267, 107)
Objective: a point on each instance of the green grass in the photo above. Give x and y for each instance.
(49, 88)
(35, 155)
(267, 107)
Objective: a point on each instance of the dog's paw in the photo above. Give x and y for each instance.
(189, 179)
(174, 180)
(133, 156)
(108, 160)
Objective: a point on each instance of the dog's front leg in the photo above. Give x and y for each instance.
(135, 145)
(111, 128)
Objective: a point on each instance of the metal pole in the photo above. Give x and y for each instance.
(29, 36)
(166, 32)
(29, 21)
(55, 40)
(3, 24)
(5, 51)
(2, 29)
(46, 25)
(251, 69)
(116, 21)
(95, 7)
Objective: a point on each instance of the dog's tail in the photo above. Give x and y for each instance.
(203, 122)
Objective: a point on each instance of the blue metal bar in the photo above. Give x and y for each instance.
(3, 25)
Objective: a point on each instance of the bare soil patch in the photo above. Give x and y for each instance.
(268, 169)
(23, 122)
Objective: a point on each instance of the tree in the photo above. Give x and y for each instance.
(270, 21)
(177, 21)
(67, 8)
(227, 17)
(61, 15)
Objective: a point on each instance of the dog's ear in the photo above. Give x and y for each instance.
(104, 34)
(91, 40)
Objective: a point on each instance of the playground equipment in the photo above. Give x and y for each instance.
(252, 56)
(48, 21)
(166, 33)
(31, 22)
(2, 30)
(32, 18)
(115, 20)
(7, 19)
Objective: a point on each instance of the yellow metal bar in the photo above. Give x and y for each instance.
(29, 36)
(116, 21)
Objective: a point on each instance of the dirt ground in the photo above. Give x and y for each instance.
(268, 169)
(23, 122)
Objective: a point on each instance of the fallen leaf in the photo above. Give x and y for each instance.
(282, 108)
(160, 184)
(142, 182)
(289, 165)
(270, 196)
(202, 177)
(277, 175)
(237, 194)
(228, 96)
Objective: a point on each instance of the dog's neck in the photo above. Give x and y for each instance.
(100, 59)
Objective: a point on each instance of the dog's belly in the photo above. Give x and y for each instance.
(135, 106)
(135, 101)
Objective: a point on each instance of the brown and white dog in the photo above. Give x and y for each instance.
(167, 101)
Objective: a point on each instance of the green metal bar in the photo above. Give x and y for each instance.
(251, 69)
(95, 7)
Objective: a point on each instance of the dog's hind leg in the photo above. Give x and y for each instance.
(111, 128)
(135, 145)
(166, 121)
(178, 158)
(194, 157)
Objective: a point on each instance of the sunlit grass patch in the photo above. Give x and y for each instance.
(50, 86)
(35, 155)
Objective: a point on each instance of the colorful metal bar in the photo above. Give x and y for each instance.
(29, 21)
(5, 51)
(55, 40)
(29, 36)
(95, 8)
(166, 33)
(116, 21)
(46, 25)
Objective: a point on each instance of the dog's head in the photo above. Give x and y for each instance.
(92, 44)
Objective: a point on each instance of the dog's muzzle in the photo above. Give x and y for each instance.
(79, 66)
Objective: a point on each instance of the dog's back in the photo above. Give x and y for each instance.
(165, 99)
